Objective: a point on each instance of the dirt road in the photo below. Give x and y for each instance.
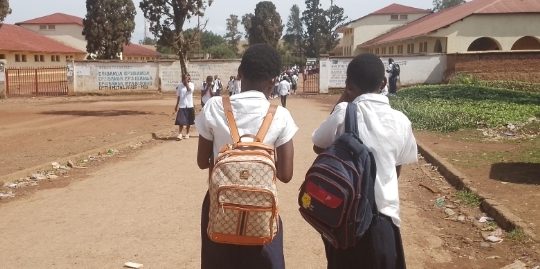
(146, 208)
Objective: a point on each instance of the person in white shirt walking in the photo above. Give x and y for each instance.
(284, 88)
(206, 90)
(260, 65)
(185, 112)
(388, 135)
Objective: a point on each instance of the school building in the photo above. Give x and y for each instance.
(67, 29)
(475, 26)
(20, 47)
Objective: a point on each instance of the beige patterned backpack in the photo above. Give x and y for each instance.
(242, 185)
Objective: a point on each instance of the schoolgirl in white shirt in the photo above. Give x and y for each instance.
(260, 65)
(185, 112)
(388, 134)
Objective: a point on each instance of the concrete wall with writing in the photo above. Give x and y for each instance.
(96, 76)
(427, 69)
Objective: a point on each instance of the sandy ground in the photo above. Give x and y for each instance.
(145, 208)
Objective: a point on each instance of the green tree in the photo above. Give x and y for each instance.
(4, 9)
(210, 39)
(335, 16)
(266, 25)
(108, 26)
(221, 51)
(320, 35)
(233, 34)
(313, 18)
(295, 30)
(246, 21)
(439, 5)
(167, 20)
(148, 41)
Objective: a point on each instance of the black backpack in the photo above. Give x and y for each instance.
(396, 70)
(337, 197)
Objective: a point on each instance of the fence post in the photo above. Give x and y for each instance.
(70, 77)
(324, 73)
(3, 79)
(36, 81)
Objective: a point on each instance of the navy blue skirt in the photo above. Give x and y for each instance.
(185, 116)
(226, 256)
(380, 248)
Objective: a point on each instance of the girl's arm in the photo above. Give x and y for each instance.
(284, 162)
(204, 153)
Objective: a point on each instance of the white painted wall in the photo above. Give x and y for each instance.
(67, 34)
(140, 76)
(414, 70)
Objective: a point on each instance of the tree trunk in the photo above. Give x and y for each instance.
(183, 66)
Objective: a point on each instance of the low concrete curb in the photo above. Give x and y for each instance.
(47, 166)
(502, 215)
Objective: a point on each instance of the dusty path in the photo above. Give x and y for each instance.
(146, 209)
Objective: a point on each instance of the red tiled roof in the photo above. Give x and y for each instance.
(138, 50)
(16, 38)
(391, 9)
(56, 18)
(400, 9)
(449, 16)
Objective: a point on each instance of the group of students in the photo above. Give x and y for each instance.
(385, 131)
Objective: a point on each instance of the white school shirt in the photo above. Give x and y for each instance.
(249, 109)
(387, 133)
(186, 97)
(207, 95)
(237, 86)
(284, 87)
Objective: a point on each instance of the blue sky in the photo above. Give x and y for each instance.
(216, 14)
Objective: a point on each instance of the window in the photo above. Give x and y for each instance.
(41, 58)
(55, 58)
(410, 48)
(377, 51)
(23, 58)
(2, 56)
(400, 49)
(68, 58)
(423, 47)
(394, 17)
(383, 51)
(17, 58)
(52, 27)
(38, 58)
(391, 50)
(403, 17)
(58, 58)
(43, 27)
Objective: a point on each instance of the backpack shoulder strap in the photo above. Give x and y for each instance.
(351, 121)
(227, 107)
(265, 126)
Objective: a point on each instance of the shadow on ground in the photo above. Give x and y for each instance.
(523, 173)
(98, 113)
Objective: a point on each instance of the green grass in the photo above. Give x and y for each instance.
(517, 235)
(469, 198)
(448, 108)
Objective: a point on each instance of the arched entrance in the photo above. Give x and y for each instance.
(483, 44)
(527, 43)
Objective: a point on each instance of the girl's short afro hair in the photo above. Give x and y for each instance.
(260, 62)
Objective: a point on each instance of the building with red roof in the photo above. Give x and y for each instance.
(68, 29)
(478, 25)
(374, 24)
(20, 47)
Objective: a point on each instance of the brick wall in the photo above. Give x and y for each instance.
(516, 66)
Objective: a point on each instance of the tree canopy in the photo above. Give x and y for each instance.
(233, 34)
(439, 5)
(167, 20)
(4, 9)
(294, 34)
(320, 35)
(265, 25)
(108, 26)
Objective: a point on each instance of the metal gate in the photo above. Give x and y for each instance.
(46, 81)
(311, 83)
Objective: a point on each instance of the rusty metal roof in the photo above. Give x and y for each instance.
(15, 38)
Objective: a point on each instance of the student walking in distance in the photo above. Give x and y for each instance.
(230, 85)
(185, 113)
(259, 66)
(284, 88)
(393, 71)
(206, 91)
(388, 135)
